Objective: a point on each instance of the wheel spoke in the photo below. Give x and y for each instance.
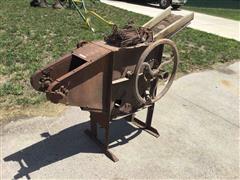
(166, 62)
(156, 76)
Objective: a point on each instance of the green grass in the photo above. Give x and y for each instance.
(30, 38)
(223, 8)
(225, 13)
(226, 4)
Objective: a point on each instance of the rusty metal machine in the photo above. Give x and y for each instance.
(130, 70)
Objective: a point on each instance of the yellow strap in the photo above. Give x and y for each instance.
(101, 18)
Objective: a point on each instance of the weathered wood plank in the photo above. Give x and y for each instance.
(150, 24)
(175, 27)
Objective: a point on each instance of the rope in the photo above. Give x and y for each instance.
(88, 13)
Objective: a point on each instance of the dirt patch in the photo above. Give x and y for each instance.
(226, 83)
(45, 109)
(3, 79)
(223, 67)
(226, 71)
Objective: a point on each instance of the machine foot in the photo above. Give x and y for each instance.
(108, 153)
(144, 127)
(111, 156)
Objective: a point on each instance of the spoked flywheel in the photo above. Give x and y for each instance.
(155, 71)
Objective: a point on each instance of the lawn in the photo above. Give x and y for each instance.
(33, 37)
(223, 8)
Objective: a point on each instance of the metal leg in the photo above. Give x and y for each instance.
(92, 133)
(93, 125)
(147, 126)
(131, 117)
(108, 153)
(149, 116)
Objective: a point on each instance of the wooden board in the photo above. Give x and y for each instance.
(167, 24)
(154, 21)
(174, 27)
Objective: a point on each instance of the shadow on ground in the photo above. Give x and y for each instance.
(67, 143)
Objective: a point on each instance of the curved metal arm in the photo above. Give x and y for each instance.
(155, 73)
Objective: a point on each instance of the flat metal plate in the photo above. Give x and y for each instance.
(91, 52)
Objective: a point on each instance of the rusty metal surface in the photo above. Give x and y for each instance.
(129, 35)
(111, 78)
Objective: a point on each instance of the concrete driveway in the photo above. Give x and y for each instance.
(198, 122)
(216, 25)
